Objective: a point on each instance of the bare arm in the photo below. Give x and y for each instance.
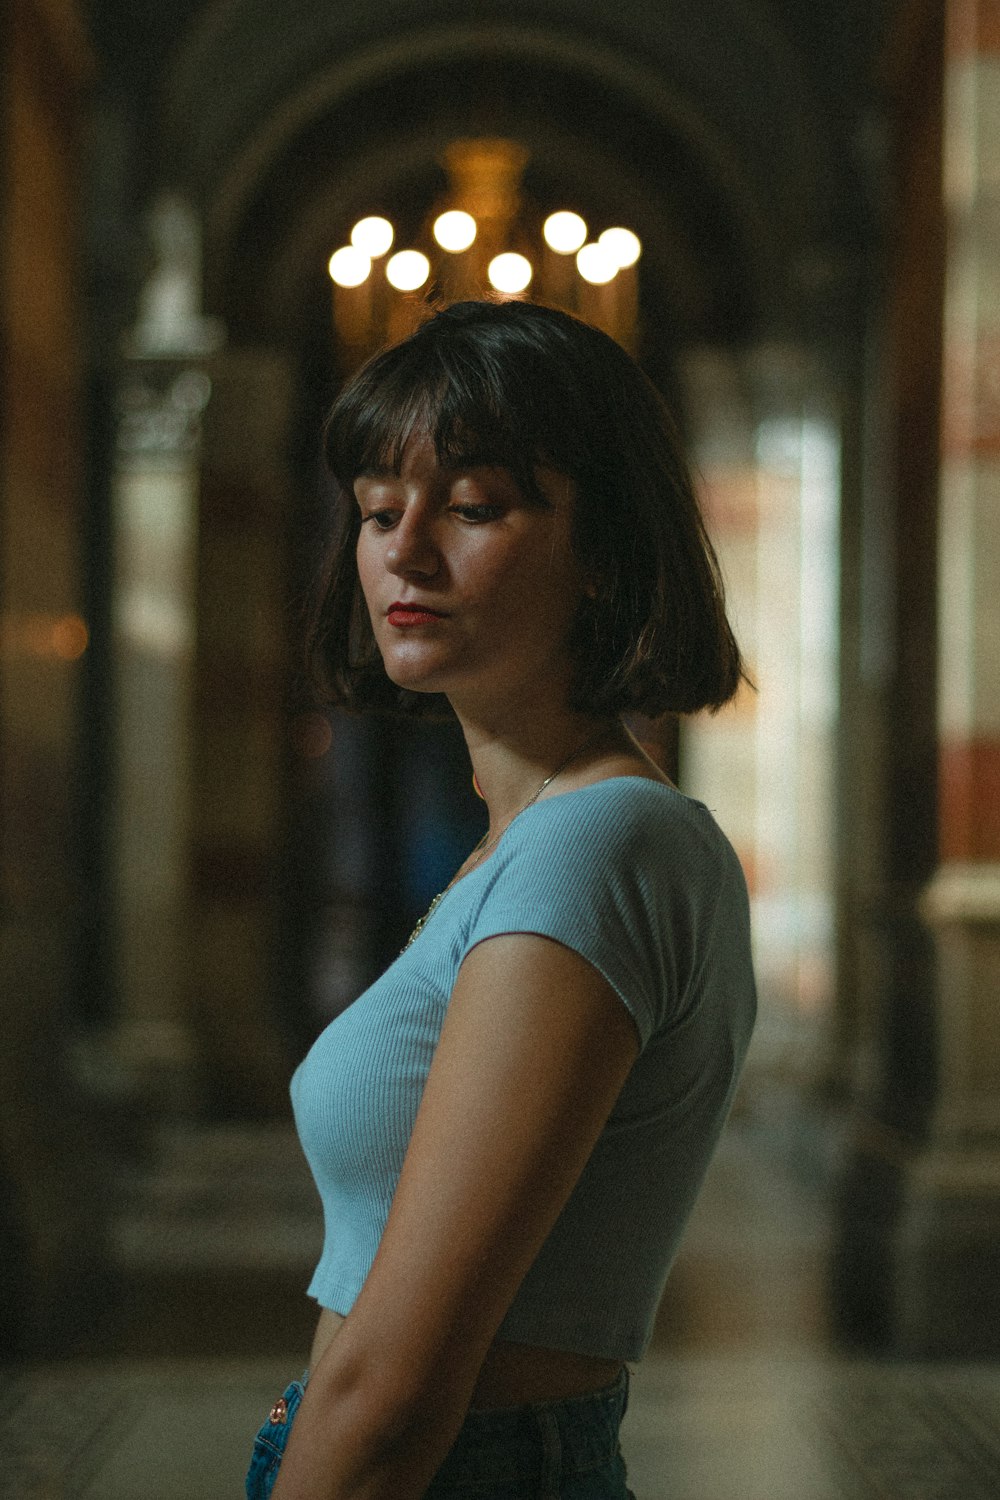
(533, 1054)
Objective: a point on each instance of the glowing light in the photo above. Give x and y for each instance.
(312, 735)
(595, 264)
(564, 232)
(509, 272)
(625, 246)
(349, 266)
(45, 636)
(69, 637)
(455, 230)
(407, 270)
(372, 236)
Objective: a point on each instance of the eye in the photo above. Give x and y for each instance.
(378, 500)
(381, 520)
(477, 514)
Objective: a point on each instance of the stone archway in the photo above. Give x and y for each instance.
(782, 166)
(751, 230)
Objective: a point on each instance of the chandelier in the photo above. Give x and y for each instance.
(481, 240)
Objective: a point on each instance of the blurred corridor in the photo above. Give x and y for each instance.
(213, 210)
(742, 1396)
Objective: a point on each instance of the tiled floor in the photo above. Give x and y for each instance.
(699, 1428)
(712, 1428)
(741, 1397)
(725, 1428)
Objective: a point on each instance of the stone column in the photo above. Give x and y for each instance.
(949, 1250)
(765, 442)
(51, 1217)
(884, 1057)
(155, 509)
(238, 810)
(163, 391)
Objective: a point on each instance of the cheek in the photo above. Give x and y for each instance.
(556, 579)
(366, 572)
(542, 601)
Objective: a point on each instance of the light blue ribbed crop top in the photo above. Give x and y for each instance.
(640, 881)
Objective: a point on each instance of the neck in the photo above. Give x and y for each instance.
(511, 760)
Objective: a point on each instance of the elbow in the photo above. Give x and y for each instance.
(400, 1422)
(406, 1425)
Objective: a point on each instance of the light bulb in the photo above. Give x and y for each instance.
(349, 266)
(564, 232)
(455, 230)
(509, 272)
(595, 264)
(407, 270)
(373, 236)
(625, 246)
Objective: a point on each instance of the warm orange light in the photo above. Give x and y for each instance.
(372, 236)
(622, 244)
(407, 270)
(564, 232)
(509, 273)
(44, 635)
(595, 264)
(455, 230)
(349, 266)
(69, 637)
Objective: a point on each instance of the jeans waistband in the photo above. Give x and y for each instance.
(546, 1438)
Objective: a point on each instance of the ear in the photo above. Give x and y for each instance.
(591, 588)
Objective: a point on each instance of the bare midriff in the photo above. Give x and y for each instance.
(512, 1373)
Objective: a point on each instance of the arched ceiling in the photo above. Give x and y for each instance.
(726, 130)
(248, 69)
(593, 144)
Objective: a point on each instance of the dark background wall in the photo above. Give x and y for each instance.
(781, 161)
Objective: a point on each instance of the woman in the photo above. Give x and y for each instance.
(509, 1128)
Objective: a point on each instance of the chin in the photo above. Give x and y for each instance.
(429, 690)
(412, 679)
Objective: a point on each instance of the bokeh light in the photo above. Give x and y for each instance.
(510, 272)
(349, 266)
(625, 246)
(564, 232)
(372, 236)
(407, 270)
(596, 264)
(312, 735)
(69, 637)
(455, 230)
(42, 635)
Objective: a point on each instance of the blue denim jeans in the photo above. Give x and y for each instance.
(558, 1450)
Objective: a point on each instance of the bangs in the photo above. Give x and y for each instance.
(474, 410)
(524, 387)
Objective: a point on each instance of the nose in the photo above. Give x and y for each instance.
(412, 551)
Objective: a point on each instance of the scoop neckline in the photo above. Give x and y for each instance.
(590, 786)
(575, 791)
(440, 899)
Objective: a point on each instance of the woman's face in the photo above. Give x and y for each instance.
(471, 588)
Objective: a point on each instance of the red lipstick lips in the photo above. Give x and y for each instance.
(405, 615)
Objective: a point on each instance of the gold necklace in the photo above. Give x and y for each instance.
(486, 843)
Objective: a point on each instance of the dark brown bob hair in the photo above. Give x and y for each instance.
(519, 385)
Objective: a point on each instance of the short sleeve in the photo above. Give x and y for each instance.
(626, 873)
